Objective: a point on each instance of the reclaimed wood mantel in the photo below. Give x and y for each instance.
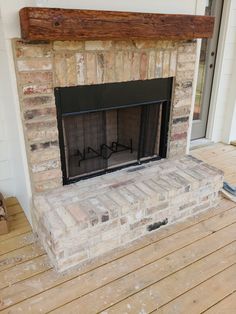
(72, 24)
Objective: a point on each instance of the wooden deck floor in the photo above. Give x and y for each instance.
(189, 267)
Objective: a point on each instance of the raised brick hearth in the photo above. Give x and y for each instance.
(79, 222)
(84, 220)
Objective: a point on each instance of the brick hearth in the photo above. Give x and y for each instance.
(84, 220)
(77, 223)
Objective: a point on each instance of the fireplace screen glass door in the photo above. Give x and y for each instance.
(97, 140)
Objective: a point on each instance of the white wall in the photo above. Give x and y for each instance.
(222, 122)
(159, 6)
(229, 129)
(7, 182)
(14, 177)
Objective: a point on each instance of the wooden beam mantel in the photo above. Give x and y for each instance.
(68, 24)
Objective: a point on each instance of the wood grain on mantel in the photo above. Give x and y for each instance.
(72, 24)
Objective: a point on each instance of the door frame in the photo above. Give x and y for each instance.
(209, 76)
(214, 104)
(212, 123)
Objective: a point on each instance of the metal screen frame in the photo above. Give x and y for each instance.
(71, 101)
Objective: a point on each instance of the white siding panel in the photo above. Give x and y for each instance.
(6, 166)
(2, 129)
(229, 121)
(5, 170)
(222, 105)
(6, 186)
(234, 5)
(233, 19)
(227, 67)
(230, 50)
(232, 35)
(4, 155)
(160, 6)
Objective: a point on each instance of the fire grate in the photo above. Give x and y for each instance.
(105, 151)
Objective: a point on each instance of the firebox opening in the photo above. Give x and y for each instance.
(106, 127)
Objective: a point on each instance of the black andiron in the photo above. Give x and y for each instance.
(105, 151)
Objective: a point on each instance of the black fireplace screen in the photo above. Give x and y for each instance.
(109, 126)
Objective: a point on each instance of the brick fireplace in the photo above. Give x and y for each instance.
(81, 221)
(43, 67)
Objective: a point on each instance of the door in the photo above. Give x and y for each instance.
(206, 72)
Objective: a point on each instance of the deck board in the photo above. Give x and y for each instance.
(170, 271)
(18, 242)
(23, 271)
(154, 297)
(196, 299)
(149, 280)
(226, 305)
(140, 261)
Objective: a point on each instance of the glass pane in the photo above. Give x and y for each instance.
(201, 73)
(97, 141)
(200, 81)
